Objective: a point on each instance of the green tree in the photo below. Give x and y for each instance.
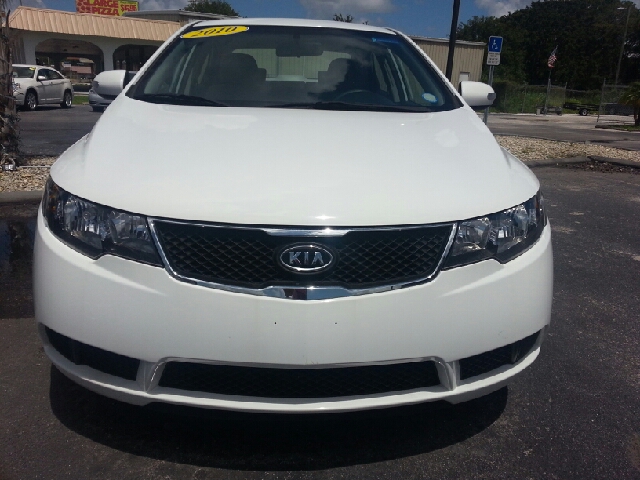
(632, 97)
(211, 6)
(588, 33)
(339, 18)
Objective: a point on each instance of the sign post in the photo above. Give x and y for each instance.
(493, 59)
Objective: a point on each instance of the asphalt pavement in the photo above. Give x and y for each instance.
(50, 130)
(566, 128)
(575, 414)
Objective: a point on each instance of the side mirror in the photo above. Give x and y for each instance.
(478, 95)
(41, 78)
(110, 82)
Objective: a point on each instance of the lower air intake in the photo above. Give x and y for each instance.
(299, 383)
(94, 357)
(488, 361)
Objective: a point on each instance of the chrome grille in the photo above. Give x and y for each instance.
(247, 257)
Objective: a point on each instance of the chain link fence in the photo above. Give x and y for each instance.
(514, 98)
(610, 111)
(603, 103)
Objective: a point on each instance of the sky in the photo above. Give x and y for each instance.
(427, 18)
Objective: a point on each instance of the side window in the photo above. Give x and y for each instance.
(53, 75)
(43, 72)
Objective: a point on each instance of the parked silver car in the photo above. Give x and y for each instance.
(35, 85)
(106, 86)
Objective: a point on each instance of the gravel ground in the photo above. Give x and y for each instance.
(526, 149)
(535, 149)
(27, 178)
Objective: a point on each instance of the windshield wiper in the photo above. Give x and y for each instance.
(333, 105)
(177, 99)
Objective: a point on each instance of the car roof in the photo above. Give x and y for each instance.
(32, 66)
(293, 22)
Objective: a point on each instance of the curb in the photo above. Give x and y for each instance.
(33, 196)
(557, 161)
(616, 161)
(551, 162)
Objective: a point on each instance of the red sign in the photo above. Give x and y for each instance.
(106, 7)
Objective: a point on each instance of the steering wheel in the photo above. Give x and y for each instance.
(351, 92)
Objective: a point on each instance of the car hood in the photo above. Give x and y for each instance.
(275, 166)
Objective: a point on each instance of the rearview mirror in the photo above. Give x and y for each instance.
(41, 78)
(299, 49)
(478, 95)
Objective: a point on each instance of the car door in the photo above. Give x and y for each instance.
(56, 84)
(42, 86)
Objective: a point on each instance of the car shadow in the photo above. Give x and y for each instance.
(43, 108)
(242, 441)
(16, 263)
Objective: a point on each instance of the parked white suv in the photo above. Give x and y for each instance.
(292, 216)
(35, 85)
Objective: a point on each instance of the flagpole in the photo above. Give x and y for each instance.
(546, 99)
(550, 63)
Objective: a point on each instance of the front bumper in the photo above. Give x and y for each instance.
(142, 312)
(96, 100)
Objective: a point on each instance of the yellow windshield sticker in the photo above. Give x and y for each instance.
(215, 32)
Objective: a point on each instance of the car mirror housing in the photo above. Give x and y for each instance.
(110, 82)
(41, 78)
(478, 95)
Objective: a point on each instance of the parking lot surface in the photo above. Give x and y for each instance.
(574, 414)
(51, 130)
(565, 128)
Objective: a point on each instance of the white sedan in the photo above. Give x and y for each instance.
(35, 85)
(292, 216)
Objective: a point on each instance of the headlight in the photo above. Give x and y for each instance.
(501, 236)
(95, 230)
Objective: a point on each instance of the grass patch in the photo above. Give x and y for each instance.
(80, 99)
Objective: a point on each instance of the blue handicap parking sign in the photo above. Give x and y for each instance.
(495, 44)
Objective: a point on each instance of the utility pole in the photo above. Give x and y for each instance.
(485, 117)
(452, 37)
(624, 40)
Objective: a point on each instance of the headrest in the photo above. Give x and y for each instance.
(237, 68)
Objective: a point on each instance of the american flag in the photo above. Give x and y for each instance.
(552, 58)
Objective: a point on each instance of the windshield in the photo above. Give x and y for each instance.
(293, 67)
(23, 72)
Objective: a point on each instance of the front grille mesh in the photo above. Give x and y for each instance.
(248, 257)
(299, 383)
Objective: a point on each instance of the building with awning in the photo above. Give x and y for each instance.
(53, 37)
